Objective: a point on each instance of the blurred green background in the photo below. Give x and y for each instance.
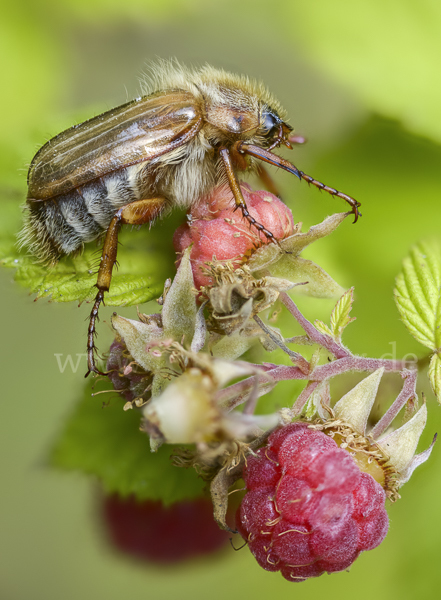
(361, 81)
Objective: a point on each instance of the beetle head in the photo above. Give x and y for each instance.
(272, 129)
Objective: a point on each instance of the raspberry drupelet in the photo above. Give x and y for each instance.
(309, 509)
(218, 229)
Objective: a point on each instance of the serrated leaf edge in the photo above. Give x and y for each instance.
(340, 314)
(322, 327)
(417, 295)
(434, 374)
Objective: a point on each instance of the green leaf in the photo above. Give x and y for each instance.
(417, 294)
(143, 265)
(322, 327)
(310, 410)
(434, 375)
(340, 315)
(315, 281)
(101, 439)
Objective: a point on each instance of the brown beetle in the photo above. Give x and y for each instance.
(193, 131)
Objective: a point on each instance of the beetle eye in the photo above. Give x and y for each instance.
(270, 125)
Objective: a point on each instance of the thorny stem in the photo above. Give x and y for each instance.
(337, 367)
(303, 398)
(356, 363)
(248, 390)
(319, 338)
(236, 394)
(302, 363)
(251, 401)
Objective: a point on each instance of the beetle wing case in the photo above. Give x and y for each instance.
(135, 132)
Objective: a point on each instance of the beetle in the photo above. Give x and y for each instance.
(192, 131)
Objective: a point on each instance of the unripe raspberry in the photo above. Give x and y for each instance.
(309, 509)
(217, 229)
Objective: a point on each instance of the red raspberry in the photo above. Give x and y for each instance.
(308, 509)
(218, 229)
(151, 531)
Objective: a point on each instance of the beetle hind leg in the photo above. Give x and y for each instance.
(135, 213)
(91, 333)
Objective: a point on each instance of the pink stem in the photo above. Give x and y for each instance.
(337, 367)
(407, 393)
(236, 394)
(302, 363)
(355, 363)
(303, 398)
(319, 338)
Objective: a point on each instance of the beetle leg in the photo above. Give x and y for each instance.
(135, 213)
(263, 174)
(238, 196)
(273, 159)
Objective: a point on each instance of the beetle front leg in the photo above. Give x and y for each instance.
(135, 213)
(238, 196)
(278, 161)
(263, 174)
